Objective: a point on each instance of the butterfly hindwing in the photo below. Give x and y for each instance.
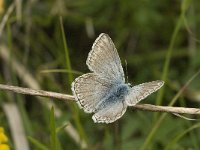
(89, 89)
(110, 113)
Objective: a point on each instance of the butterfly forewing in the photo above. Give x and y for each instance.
(104, 60)
(89, 89)
(141, 91)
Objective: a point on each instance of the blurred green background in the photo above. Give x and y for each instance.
(44, 45)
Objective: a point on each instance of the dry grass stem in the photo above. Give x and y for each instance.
(5, 17)
(147, 107)
(16, 126)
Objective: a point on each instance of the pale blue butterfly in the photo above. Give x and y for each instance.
(104, 91)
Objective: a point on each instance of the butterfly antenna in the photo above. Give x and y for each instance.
(126, 70)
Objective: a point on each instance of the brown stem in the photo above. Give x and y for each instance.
(147, 107)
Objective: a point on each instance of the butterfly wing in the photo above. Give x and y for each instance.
(110, 113)
(89, 89)
(141, 91)
(104, 60)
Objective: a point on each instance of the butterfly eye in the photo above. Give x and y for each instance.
(130, 85)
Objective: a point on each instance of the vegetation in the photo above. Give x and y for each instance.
(44, 45)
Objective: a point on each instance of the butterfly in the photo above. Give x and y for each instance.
(104, 91)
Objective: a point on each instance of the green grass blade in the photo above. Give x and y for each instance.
(68, 63)
(179, 136)
(53, 130)
(61, 127)
(37, 143)
(169, 54)
(70, 79)
(61, 71)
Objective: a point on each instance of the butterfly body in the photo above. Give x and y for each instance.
(122, 90)
(104, 91)
(116, 95)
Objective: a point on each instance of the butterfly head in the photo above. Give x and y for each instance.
(130, 85)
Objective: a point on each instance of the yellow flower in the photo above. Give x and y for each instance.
(3, 140)
(1, 6)
(3, 137)
(4, 147)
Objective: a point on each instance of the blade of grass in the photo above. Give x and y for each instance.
(70, 79)
(6, 17)
(184, 7)
(37, 143)
(61, 71)
(179, 136)
(61, 127)
(162, 117)
(167, 61)
(53, 130)
(13, 79)
(68, 63)
(19, 99)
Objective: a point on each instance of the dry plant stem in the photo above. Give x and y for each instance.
(16, 125)
(147, 107)
(28, 91)
(5, 18)
(169, 109)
